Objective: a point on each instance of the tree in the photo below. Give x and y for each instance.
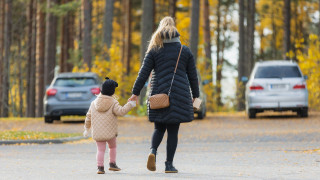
(319, 19)
(41, 25)
(194, 28)
(250, 36)
(241, 61)
(87, 27)
(67, 38)
(32, 32)
(219, 58)
(172, 8)
(207, 35)
(6, 63)
(127, 40)
(146, 33)
(50, 44)
(146, 26)
(107, 24)
(2, 16)
(287, 19)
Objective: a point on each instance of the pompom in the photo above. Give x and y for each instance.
(106, 78)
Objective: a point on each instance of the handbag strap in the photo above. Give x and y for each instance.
(175, 70)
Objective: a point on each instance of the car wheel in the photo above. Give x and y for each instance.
(252, 113)
(303, 112)
(48, 119)
(202, 114)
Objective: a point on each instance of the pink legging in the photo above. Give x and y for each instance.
(101, 149)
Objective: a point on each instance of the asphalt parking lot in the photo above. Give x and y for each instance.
(222, 146)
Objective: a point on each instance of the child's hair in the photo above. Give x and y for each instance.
(109, 87)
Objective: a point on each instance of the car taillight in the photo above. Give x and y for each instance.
(256, 87)
(95, 91)
(51, 92)
(299, 86)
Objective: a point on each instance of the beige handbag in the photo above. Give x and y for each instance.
(159, 101)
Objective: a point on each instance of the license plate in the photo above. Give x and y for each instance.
(73, 95)
(278, 86)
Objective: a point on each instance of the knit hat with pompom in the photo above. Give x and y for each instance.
(108, 87)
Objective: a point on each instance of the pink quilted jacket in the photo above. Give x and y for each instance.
(102, 117)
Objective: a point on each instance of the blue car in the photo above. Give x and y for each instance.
(70, 94)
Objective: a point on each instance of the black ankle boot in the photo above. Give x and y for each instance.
(100, 170)
(114, 167)
(151, 164)
(170, 168)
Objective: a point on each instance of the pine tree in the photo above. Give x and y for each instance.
(6, 60)
(194, 29)
(87, 27)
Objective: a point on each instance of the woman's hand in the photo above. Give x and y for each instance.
(133, 98)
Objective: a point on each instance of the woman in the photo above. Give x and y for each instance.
(161, 57)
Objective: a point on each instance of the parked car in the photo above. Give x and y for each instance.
(277, 86)
(201, 112)
(70, 94)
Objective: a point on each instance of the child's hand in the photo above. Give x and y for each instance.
(133, 103)
(133, 98)
(85, 133)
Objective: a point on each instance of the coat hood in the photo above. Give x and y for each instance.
(103, 103)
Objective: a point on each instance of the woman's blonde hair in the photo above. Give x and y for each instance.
(166, 27)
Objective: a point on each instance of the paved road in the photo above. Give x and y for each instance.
(225, 146)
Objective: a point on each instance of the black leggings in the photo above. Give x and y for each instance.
(172, 141)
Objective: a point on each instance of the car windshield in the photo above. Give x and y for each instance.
(75, 82)
(277, 72)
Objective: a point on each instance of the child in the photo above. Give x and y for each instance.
(102, 119)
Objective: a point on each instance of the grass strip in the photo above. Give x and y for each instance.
(32, 135)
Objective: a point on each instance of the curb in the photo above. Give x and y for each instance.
(43, 141)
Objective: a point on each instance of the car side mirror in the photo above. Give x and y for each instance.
(305, 77)
(244, 79)
(205, 82)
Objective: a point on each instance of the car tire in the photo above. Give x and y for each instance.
(303, 112)
(252, 113)
(202, 114)
(48, 119)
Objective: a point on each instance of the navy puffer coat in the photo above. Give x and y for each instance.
(162, 64)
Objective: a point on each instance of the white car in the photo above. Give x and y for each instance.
(277, 86)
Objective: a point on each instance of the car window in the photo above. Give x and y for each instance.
(277, 72)
(75, 82)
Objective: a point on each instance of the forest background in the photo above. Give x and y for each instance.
(40, 38)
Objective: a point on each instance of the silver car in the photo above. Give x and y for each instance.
(277, 86)
(70, 94)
